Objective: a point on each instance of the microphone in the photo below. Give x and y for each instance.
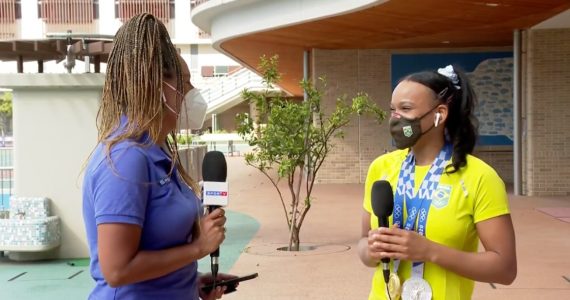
(382, 206)
(215, 191)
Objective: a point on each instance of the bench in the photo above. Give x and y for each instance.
(29, 226)
(214, 138)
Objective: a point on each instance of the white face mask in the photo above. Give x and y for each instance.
(196, 107)
(195, 113)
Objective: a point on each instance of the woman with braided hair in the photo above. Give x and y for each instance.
(143, 218)
(445, 200)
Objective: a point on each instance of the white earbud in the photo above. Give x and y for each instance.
(437, 117)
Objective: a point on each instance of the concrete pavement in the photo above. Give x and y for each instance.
(543, 245)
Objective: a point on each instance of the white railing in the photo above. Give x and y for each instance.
(8, 20)
(228, 143)
(9, 31)
(229, 87)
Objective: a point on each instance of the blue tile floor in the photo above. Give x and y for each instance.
(70, 279)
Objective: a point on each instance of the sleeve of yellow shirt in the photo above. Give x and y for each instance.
(491, 198)
(370, 177)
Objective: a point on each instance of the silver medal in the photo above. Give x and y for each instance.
(416, 288)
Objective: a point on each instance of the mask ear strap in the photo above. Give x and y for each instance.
(166, 104)
(428, 112)
(169, 85)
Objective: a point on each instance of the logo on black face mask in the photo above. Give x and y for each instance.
(408, 132)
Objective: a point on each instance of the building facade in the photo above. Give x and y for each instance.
(39, 19)
(515, 53)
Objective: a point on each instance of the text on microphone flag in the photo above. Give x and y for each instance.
(216, 193)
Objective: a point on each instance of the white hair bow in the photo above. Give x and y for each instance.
(449, 72)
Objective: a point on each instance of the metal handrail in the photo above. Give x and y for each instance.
(228, 87)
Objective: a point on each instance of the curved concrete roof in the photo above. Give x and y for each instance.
(247, 29)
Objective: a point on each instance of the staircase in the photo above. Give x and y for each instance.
(225, 92)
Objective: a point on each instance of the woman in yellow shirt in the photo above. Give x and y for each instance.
(445, 199)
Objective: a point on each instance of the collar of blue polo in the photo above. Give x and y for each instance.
(154, 151)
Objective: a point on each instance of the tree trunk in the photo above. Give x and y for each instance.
(294, 243)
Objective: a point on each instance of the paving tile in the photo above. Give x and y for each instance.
(557, 212)
(542, 249)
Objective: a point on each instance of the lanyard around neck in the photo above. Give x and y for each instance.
(417, 204)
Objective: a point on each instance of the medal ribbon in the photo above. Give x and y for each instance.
(418, 205)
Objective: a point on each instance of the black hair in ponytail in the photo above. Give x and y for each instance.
(461, 124)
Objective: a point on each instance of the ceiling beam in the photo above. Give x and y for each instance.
(77, 48)
(20, 46)
(48, 50)
(28, 58)
(45, 46)
(61, 46)
(99, 47)
(95, 47)
(5, 47)
(108, 47)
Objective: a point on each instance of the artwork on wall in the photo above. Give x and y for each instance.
(491, 74)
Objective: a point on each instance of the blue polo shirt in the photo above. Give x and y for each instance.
(136, 189)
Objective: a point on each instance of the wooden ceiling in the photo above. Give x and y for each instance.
(396, 24)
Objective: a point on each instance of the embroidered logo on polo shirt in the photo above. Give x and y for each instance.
(164, 181)
(440, 197)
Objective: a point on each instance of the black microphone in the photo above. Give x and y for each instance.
(215, 191)
(382, 206)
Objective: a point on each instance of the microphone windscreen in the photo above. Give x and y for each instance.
(214, 167)
(382, 198)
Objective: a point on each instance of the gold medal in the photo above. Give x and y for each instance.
(394, 287)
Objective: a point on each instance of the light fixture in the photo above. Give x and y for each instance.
(445, 42)
(491, 4)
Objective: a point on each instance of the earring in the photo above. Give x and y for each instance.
(437, 117)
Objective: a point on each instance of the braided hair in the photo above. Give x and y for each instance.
(141, 58)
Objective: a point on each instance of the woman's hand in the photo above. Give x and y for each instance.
(396, 243)
(212, 232)
(205, 279)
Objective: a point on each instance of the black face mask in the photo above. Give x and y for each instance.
(406, 132)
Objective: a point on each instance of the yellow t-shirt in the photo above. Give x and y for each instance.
(473, 194)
